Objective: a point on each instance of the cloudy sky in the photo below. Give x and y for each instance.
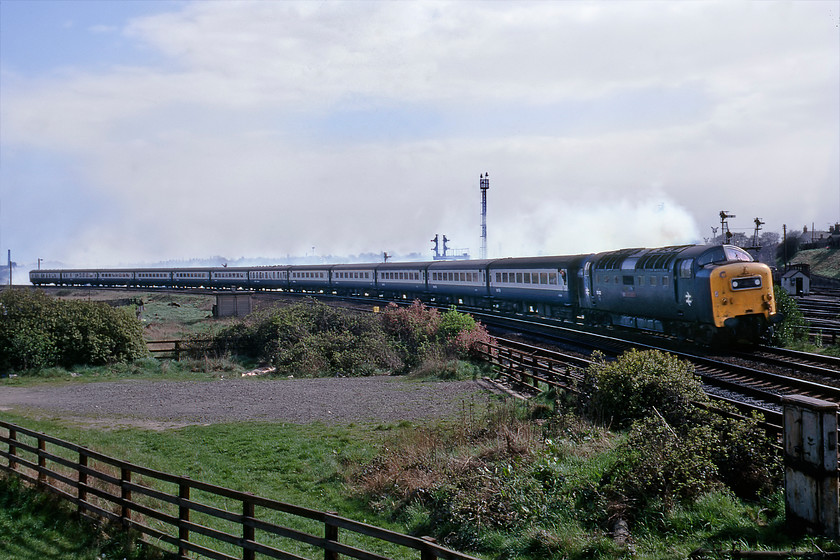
(135, 132)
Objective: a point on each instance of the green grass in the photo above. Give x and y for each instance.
(301, 465)
(824, 262)
(36, 526)
(318, 466)
(190, 313)
(146, 369)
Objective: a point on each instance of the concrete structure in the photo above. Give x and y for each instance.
(812, 503)
(233, 304)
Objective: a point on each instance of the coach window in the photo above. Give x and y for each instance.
(664, 280)
(543, 278)
(653, 280)
(526, 278)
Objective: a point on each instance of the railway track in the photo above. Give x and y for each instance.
(759, 382)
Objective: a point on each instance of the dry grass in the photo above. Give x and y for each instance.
(418, 459)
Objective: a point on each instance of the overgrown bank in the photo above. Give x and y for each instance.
(667, 479)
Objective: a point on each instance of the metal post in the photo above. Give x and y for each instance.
(784, 243)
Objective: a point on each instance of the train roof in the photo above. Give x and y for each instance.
(460, 264)
(543, 262)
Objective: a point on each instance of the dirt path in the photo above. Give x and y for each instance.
(167, 404)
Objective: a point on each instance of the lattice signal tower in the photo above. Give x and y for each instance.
(484, 184)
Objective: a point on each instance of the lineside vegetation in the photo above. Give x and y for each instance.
(611, 474)
(628, 467)
(37, 331)
(313, 339)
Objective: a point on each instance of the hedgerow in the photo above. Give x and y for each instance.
(37, 331)
(314, 339)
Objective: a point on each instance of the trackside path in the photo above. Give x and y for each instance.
(169, 404)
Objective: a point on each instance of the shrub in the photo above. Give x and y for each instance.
(793, 327)
(414, 330)
(37, 331)
(658, 463)
(422, 333)
(630, 387)
(746, 458)
(311, 339)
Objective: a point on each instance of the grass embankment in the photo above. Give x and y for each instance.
(302, 465)
(824, 262)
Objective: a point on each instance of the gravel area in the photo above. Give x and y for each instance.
(168, 404)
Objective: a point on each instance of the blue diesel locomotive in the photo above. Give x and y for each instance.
(702, 292)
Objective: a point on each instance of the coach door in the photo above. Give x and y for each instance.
(585, 281)
(685, 289)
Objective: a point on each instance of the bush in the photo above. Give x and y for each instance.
(630, 387)
(311, 339)
(793, 327)
(746, 458)
(423, 334)
(658, 463)
(37, 331)
(675, 451)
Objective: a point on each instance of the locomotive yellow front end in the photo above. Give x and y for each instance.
(743, 305)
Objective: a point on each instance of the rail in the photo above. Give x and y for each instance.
(190, 516)
(534, 369)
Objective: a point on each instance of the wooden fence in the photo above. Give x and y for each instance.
(192, 517)
(531, 368)
(166, 348)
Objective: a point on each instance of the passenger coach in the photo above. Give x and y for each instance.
(703, 292)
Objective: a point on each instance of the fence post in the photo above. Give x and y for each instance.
(426, 553)
(82, 495)
(12, 449)
(247, 528)
(330, 534)
(811, 475)
(183, 516)
(42, 461)
(125, 495)
(177, 350)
